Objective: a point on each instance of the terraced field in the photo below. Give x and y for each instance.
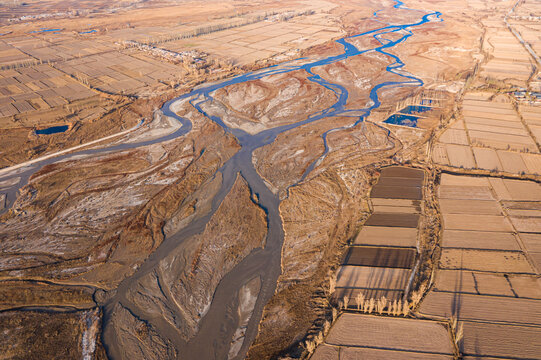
(378, 265)
(488, 278)
(356, 336)
(491, 135)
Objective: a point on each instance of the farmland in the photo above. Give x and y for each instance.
(491, 135)
(383, 270)
(487, 278)
(325, 179)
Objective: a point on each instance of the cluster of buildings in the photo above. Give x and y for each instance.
(524, 95)
(193, 57)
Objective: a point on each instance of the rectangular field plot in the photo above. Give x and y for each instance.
(458, 281)
(503, 124)
(487, 159)
(448, 179)
(354, 353)
(396, 209)
(487, 240)
(261, 40)
(519, 190)
(527, 224)
(375, 294)
(396, 192)
(439, 154)
(455, 281)
(465, 192)
(532, 162)
(485, 260)
(326, 352)
(393, 220)
(484, 308)
(501, 341)
(397, 181)
(460, 156)
(396, 202)
(372, 277)
(403, 172)
(366, 331)
(532, 242)
(454, 136)
(502, 141)
(462, 206)
(476, 222)
(526, 286)
(512, 162)
(387, 236)
(38, 87)
(380, 257)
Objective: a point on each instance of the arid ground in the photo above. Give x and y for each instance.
(225, 179)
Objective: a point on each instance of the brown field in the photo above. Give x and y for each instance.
(352, 353)
(465, 192)
(483, 308)
(396, 209)
(520, 190)
(477, 283)
(399, 181)
(39, 87)
(476, 222)
(454, 136)
(510, 61)
(526, 286)
(386, 236)
(439, 154)
(479, 240)
(249, 43)
(512, 162)
(532, 242)
(326, 352)
(380, 257)
(393, 220)
(487, 159)
(460, 156)
(484, 260)
(352, 293)
(402, 172)
(396, 192)
(372, 277)
(410, 335)
(449, 179)
(533, 163)
(525, 224)
(482, 340)
(406, 203)
(493, 130)
(473, 207)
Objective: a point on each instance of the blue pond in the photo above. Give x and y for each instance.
(417, 109)
(52, 130)
(43, 30)
(404, 120)
(88, 32)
